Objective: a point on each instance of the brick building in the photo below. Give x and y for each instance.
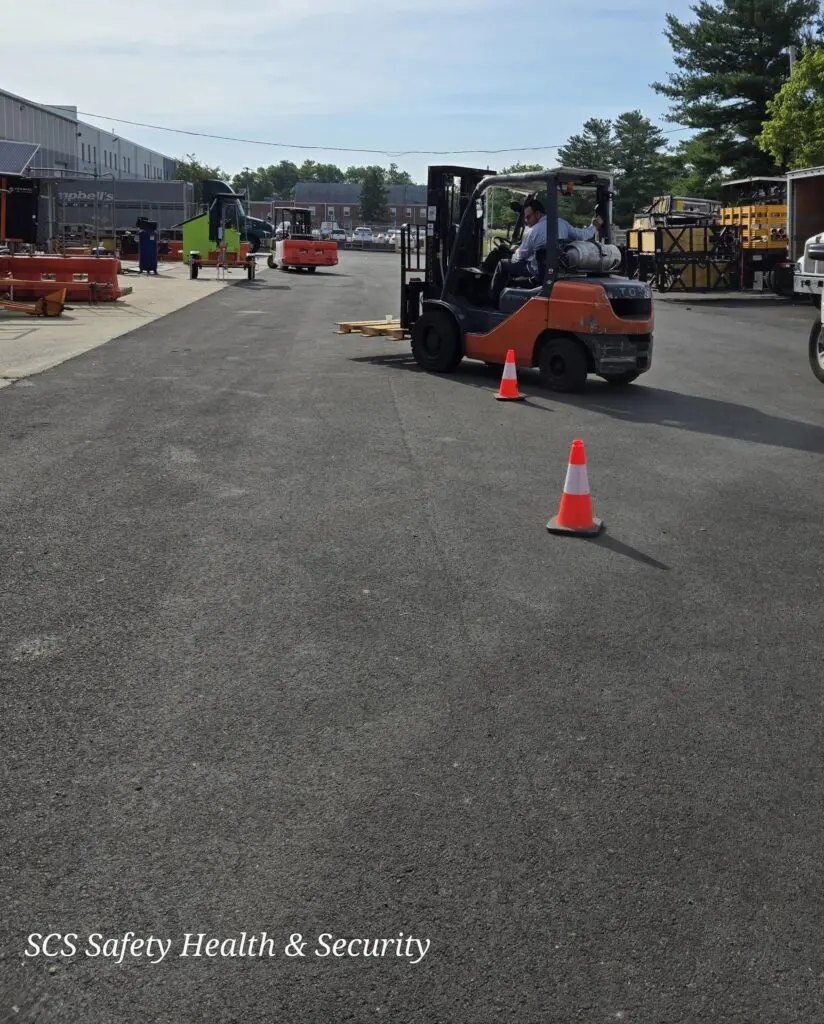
(340, 203)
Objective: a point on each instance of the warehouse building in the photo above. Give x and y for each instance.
(68, 147)
(339, 203)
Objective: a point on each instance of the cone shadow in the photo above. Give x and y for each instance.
(620, 548)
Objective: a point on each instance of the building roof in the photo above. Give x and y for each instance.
(15, 157)
(334, 193)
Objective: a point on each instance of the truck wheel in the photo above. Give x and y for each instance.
(621, 379)
(817, 350)
(435, 342)
(562, 365)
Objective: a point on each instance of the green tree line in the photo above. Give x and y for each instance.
(747, 112)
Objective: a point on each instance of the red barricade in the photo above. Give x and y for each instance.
(85, 278)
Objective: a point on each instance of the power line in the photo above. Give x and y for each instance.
(338, 149)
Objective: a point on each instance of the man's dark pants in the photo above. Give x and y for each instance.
(509, 272)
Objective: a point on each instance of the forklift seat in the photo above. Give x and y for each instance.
(513, 298)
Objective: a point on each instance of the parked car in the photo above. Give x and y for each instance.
(338, 235)
(362, 235)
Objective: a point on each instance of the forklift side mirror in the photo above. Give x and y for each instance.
(479, 208)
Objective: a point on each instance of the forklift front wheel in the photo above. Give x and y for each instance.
(817, 350)
(435, 342)
(271, 262)
(562, 365)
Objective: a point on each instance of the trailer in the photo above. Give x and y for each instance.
(805, 216)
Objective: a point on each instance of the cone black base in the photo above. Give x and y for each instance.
(586, 531)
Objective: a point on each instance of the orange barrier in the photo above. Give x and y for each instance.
(302, 253)
(86, 278)
(575, 515)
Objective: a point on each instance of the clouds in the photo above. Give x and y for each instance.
(371, 74)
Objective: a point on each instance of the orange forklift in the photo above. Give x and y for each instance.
(294, 248)
(575, 318)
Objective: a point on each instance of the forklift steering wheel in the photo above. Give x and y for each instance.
(498, 242)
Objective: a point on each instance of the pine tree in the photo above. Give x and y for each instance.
(373, 196)
(732, 61)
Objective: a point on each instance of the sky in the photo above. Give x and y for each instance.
(318, 76)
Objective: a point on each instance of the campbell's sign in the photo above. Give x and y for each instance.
(86, 197)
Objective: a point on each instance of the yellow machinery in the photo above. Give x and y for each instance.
(757, 210)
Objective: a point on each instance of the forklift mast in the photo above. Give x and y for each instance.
(299, 220)
(448, 191)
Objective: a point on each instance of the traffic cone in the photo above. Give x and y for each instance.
(575, 514)
(508, 391)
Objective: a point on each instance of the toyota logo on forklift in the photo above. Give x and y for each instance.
(575, 316)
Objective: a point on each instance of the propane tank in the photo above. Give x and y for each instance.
(594, 257)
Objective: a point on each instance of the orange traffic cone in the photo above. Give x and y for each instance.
(575, 515)
(508, 391)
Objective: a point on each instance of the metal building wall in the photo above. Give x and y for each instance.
(23, 121)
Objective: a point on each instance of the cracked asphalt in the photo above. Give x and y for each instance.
(286, 647)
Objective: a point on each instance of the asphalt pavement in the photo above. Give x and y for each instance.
(287, 648)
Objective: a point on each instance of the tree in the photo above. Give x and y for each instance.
(732, 61)
(373, 196)
(593, 148)
(191, 169)
(642, 171)
(394, 176)
(792, 133)
(632, 150)
(499, 210)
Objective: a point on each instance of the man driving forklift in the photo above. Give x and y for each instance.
(521, 267)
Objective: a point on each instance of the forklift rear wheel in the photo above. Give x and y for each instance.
(435, 343)
(621, 379)
(817, 350)
(562, 365)
(271, 262)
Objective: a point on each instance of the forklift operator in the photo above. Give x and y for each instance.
(522, 266)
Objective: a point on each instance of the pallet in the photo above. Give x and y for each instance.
(373, 328)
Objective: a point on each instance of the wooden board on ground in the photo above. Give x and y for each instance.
(373, 328)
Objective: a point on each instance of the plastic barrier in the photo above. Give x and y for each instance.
(85, 278)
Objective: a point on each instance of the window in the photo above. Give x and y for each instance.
(95, 154)
(392, 211)
(311, 210)
(105, 158)
(409, 211)
(83, 150)
(422, 212)
(346, 211)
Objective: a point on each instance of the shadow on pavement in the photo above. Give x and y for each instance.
(471, 373)
(620, 548)
(733, 302)
(640, 403)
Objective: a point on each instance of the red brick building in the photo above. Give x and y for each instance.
(340, 203)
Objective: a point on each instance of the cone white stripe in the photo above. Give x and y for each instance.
(577, 481)
(509, 372)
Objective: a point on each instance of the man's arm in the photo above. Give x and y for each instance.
(580, 234)
(525, 249)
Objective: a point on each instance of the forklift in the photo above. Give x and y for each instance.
(576, 318)
(294, 248)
